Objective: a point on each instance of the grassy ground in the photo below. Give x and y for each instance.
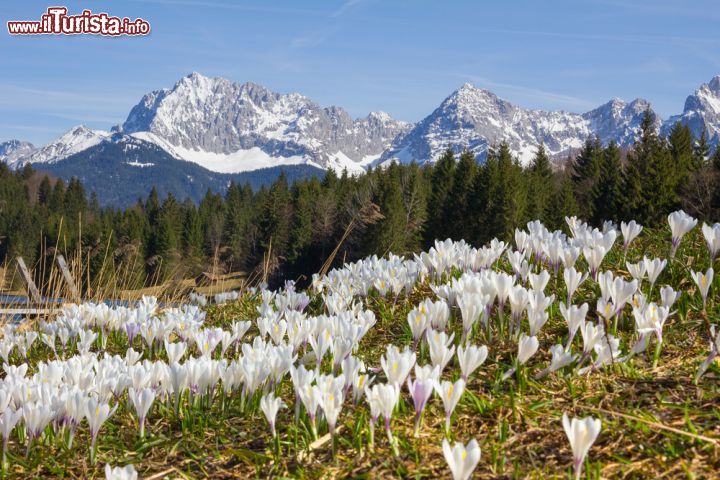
(656, 423)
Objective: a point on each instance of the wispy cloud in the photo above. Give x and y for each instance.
(312, 39)
(346, 7)
(317, 37)
(12, 94)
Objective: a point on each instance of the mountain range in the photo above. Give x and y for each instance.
(205, 132)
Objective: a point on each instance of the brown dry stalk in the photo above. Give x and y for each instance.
(658, 425)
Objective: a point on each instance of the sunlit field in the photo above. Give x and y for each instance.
(579, 354)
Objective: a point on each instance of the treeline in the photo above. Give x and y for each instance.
(289, 231)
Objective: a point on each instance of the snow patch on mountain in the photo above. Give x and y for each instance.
(477, 119)
(13, 151)
(73, 141)
(701, 111)
(228, 126)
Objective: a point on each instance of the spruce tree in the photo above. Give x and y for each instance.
(477, 204)
(562, 202)
(540, 186)
(457, 204)
(607, 192)
(44, 191)
(651, 155)
(680, 142)
(585, 173)
(701, 151)
(443, 173)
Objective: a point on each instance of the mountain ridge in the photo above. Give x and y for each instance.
(228, 127)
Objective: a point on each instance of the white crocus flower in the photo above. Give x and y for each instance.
(637, 270)
(573, 280)
(462, 459)
(680, 224)
(653, 268)
(630, 231)
(8, 420)
(385, 397)
(592, 335)
(561, 358)
(397, 365)
(470, 358)
(574, 317)
(331, 403)
(175, 351)
(594, 256)
(418, 323)
(450, 393)
(96, 413)
(270, 405)
(704, 281)
(120, 473)
(527, 347)
(440, 351)
(142, 401)
(582, 433)
(712, 239)
(668, 296)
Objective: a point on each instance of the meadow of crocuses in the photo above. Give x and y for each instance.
(581, 354)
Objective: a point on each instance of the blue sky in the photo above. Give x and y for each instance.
(403, 57)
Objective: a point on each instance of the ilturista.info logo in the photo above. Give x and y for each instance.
(56, 21)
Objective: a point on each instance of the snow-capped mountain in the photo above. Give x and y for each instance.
(231, 127)
(618, 121)
(702, 110)
(475, 118)
(71, 142)
(227, 127)
(13, 151)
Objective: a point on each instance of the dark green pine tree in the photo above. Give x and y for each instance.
(305, 195)
(388, 234)
(665, 184)
(75, 201)
(632, 192)
(507, 196)
(607, 192)
(585, 173)
(562, 202)
(477, 210)
(653, 159)
(457, 203)
(414, 192)
(44, 191)
(680, 142)
(540, 186)
(57, 198)
(701, 151)
(443, 173)
(714, 170)
(715, 160)
(275, 220)
(192, 237)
